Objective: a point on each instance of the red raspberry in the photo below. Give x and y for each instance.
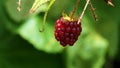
(66, 31)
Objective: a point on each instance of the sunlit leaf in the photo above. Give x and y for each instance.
(41, 40)
(11, 9)
(37, 4)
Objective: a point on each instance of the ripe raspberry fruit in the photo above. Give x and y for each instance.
(67, 31)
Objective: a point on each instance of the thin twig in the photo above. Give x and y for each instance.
(80, 18)
(75, 7)
(93, 11)
(19, 5)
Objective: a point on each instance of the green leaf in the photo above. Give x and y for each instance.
(41, 40)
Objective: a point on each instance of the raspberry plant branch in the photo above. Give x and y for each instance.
(93, 11)
(80, 18)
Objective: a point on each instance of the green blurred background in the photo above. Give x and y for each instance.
(23, 46)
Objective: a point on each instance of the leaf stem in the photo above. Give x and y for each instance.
(45, 15)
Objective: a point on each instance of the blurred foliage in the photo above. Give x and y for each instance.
(23, 46)
(41, 40)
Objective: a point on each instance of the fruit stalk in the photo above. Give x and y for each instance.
(71, 17)
(80, 18)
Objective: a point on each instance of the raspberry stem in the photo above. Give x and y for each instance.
(72, 14)
(80, 18)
